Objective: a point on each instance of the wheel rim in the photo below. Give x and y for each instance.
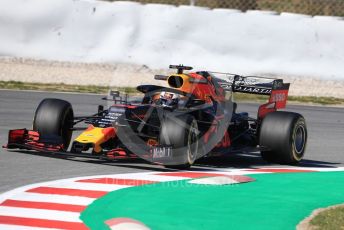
(67, 124)
(192, 142)
(299, 139)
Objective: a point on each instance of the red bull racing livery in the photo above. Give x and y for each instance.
(194, 117)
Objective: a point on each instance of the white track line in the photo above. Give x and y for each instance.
(40, 214)
(19, 227)
(89, 186)
(61, 199)
(150, 177)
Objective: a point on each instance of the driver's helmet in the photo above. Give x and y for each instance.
(169, 99)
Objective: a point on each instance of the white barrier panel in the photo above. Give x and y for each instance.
(158, 35)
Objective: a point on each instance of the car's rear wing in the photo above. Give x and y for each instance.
(250, 84)
(275, 88)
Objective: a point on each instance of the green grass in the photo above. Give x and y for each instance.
(273, 201)
(62, 87)
(240, 97)
(332, 218)
(299, 99)
(317, 100)
(250, 97)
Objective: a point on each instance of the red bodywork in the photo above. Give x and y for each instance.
(277, 100)
(206, 91)
(30, 140)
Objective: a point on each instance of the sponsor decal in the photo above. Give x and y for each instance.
(252, 89)
(278, 97)
(161, 152)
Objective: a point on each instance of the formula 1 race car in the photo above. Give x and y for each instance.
(174, 126)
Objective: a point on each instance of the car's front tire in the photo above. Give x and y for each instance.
(54, 118)
(182, 134)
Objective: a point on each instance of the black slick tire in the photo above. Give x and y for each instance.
(54, 118)
(182, 134)
(283, 137)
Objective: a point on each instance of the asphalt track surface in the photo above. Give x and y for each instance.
(17, 168)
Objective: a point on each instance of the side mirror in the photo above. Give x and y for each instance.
(161, 77)
(114, 94)
(100, 109)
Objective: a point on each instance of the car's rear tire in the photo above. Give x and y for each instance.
(54, 118)
(284, 136)
(182, 134)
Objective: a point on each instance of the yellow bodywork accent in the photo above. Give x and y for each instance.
(94, 136)
(187, 86)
